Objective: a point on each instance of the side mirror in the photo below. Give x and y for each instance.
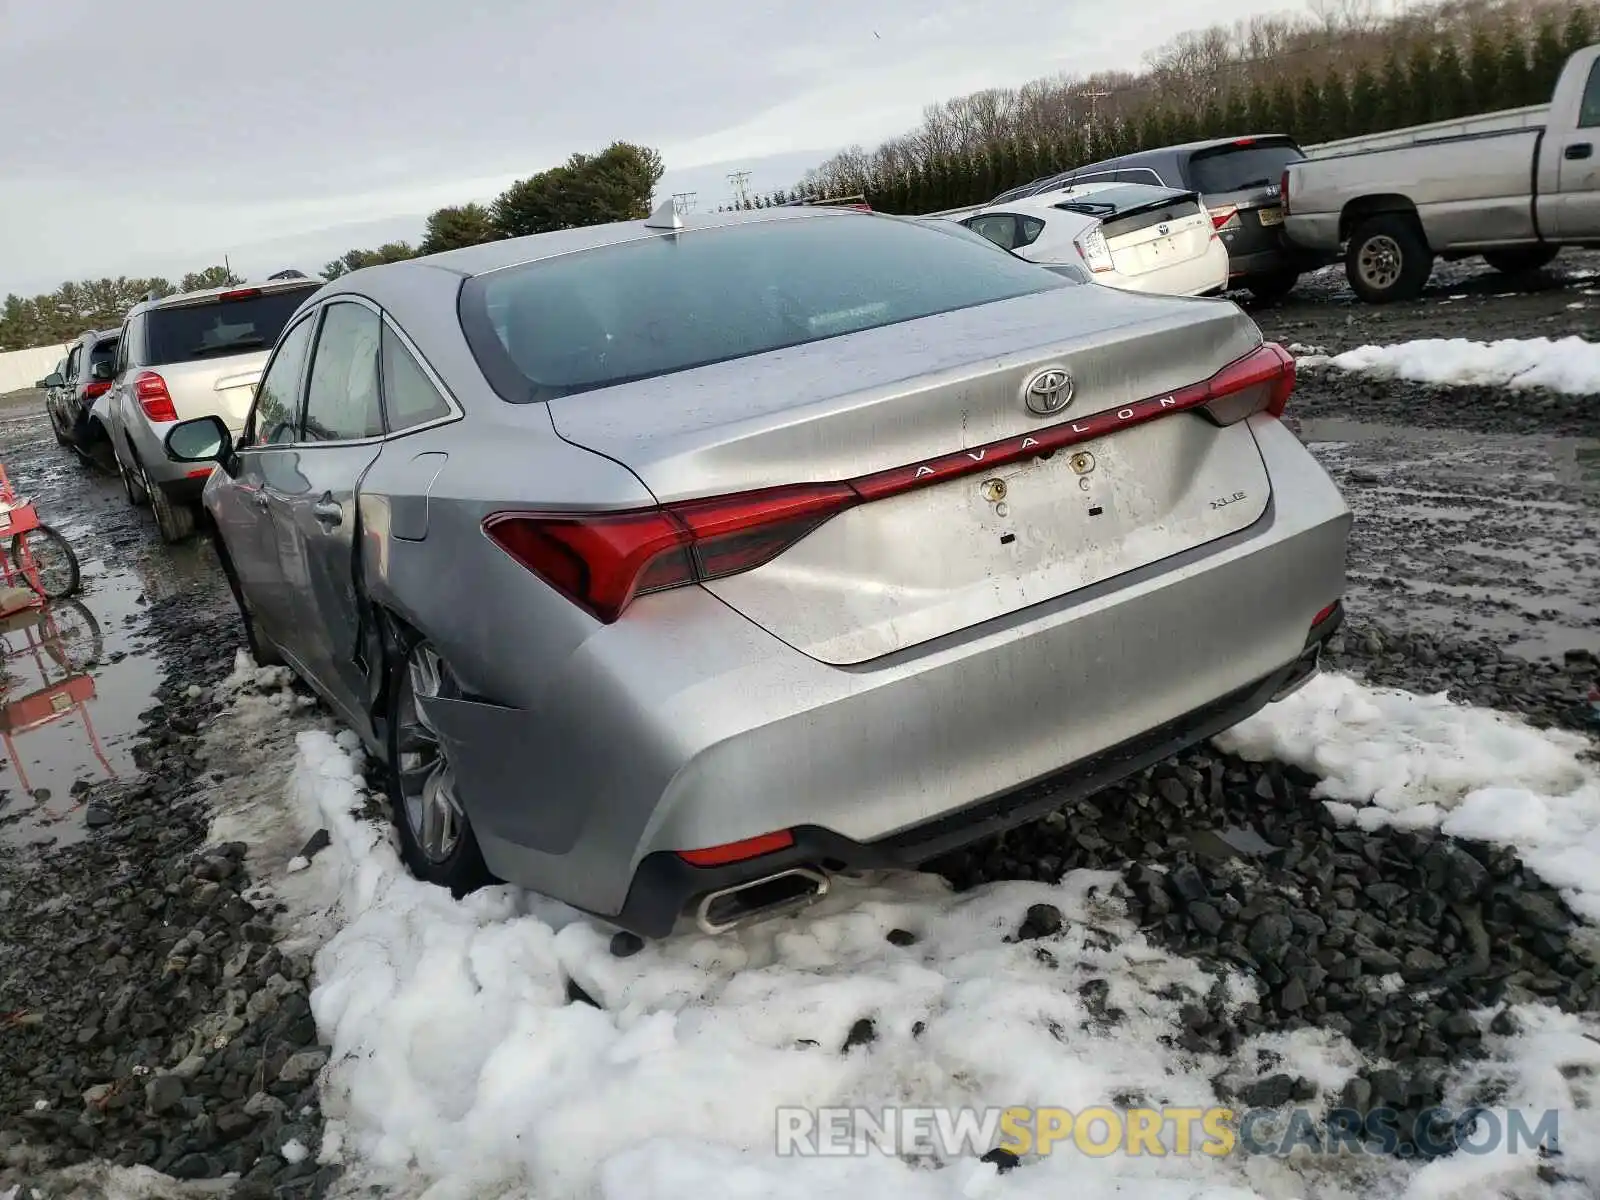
(52, 380)
(204, 439)
(102, 370)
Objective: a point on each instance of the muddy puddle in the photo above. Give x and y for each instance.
(76, 674)
(1485, 534)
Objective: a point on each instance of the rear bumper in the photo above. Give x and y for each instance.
(687, 726)
(664, 886)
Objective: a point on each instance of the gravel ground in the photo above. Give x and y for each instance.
(149, 1016)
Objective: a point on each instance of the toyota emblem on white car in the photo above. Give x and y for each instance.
(1048, 392)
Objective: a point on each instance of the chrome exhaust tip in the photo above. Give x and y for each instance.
(770, 896)
(1305, 669)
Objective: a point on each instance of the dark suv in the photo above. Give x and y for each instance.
(1237, 179)
(84, 376)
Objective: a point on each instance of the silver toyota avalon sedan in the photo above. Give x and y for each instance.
(678, 565)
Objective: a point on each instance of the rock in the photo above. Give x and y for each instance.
(96, 815)
(163, 1094)
(1042, 920)
(1420, 963)
(1272, 1092)
(303, 1067)
(263, 1105)
(1269, 936)
(1186, 883)
(862, 1033)
(1540, 910)
(1206, 918)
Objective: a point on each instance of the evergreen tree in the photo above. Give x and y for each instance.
(1310, 120)
(1336, 121)
(1450, 84)
(1235, 118)
(1422, 96)
(1366, 103)
(1579, 30)
(1483, 72)
(1394, 95)
(1284, 113)
(1182, 127)
(1009, 174)
(1211, 119)
(1548, 57)
(1152, 128)
(1516, 75)
(1258, 104)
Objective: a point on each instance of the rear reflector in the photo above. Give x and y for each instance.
(97, 389)
(602, 561)
(200, 473)
(1227, 214)
(151, 392)
(1324, 614)
(733, 852)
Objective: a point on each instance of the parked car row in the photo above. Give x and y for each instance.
(676, 565)
(118, 392)
(1512, 187)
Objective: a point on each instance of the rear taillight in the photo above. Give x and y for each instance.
(1226, 215)
(1261, 381)
(97, 389)
(602, 561)
(1093, 250)
(1283, 191)
(150, 390)
(240, 294)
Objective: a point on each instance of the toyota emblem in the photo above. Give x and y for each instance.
(1048, 392)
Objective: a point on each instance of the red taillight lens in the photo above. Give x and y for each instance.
(240, 294)
(97, 389)
(151, 392)
(1283, 192)
(1224, 216)
(602, 561)
(1261, 381)
(732, 852)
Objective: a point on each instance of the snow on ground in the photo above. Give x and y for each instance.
(1568, 364)
(1391, 757)
(463, 1067)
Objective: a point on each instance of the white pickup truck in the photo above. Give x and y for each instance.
(1513, 186)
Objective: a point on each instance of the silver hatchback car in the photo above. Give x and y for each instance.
(675, 566)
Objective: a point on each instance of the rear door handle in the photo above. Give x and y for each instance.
(328, 513)
(1579, 150)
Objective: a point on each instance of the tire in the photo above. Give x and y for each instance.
(55, 428)
(439, 849)
(1521, 261)
(53, 559)
(131, 487)
(174, 519)
(1268, 288)
(77, 643)
(1388, 259)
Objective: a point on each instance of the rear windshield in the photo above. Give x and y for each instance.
(103, 352)
(220, 326)
(1240, 168)
(645, 308)
(1105, 201)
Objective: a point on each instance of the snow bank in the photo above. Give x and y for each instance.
(457, 1054)
(1568, 364)
(1390, 757)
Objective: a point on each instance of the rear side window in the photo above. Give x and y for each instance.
(409, 397)
(103, 352)
(1589, 108)
(999, 228)
(189, 332)
(1240, 168)
(342, 393)
(662, 304)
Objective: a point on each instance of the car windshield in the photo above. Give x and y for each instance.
(221, 326)
(650, 307)
(1240, 167)
(103, 352)
(1105, 201)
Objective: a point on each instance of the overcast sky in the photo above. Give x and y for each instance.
(151, 138)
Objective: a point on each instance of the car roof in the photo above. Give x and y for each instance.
(495, 256)
(178, 299)
(1050, 201)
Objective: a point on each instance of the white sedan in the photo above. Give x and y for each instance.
(1128, 235)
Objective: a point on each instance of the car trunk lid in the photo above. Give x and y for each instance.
(1153, 236)
(223, 387)
(898, 409)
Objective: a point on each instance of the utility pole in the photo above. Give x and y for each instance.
(1094, 116)
(737, 181)
(685, 201)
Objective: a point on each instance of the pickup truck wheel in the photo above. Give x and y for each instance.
(1388, 259)
(1521, 260)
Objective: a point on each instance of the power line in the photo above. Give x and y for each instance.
(685, 201)
(737, 180)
